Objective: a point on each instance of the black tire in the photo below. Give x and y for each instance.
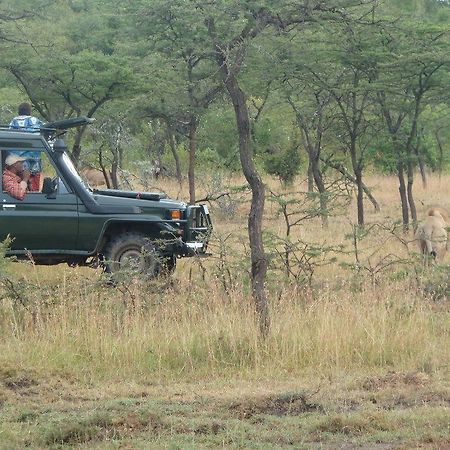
(132, 253)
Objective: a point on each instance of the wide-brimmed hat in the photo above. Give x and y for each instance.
(12, 159)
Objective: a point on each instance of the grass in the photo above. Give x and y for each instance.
(357, 357)
(189, 333)
(229, 414)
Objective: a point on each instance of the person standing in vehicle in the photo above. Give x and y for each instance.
(26, 122)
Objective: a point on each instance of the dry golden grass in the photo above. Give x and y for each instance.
(376, 315)
(357, 356)
(177, 334)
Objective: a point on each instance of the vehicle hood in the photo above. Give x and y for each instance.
(144, 200)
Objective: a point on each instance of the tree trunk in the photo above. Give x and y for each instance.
(120, 155)
(403, 196)
(341, 169)
(176, 158)
(104, 169)
(315, 176)
(114, 176)
(421, 163)
(410, 167)
(441, 153)
(318, 179)
(258, 257)
(357, 170)
(76, 148)
(193, 124)
(360, 198)
(310, 175)
(412, 205)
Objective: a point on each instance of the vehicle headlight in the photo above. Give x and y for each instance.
(176, 214)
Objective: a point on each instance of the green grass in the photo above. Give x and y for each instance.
(228, 414)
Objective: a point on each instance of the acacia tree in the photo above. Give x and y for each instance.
(184, 80)
(203, 37)
(406, 85)
(66, 71)
(330, 91)
(230, 53)
(313, 126)
(354, 96)
(14, 14)
(13, 19)
(222, 32)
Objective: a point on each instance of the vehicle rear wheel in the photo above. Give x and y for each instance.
(132, 253)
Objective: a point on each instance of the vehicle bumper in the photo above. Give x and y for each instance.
(194, 241)
(195, 246)
(186, 249)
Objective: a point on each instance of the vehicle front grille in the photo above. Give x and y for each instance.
(199, 224)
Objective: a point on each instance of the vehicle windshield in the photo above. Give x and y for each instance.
(69, 164)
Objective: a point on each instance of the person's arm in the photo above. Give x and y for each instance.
(15, 189)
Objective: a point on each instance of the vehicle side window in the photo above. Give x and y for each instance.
(24, 172)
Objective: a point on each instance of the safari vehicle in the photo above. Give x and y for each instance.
(68, 222)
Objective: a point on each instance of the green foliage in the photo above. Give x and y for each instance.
(73, 66)
(4, 247)
(157, 62)
(16, 289)
(218, 131)
(284, 164)
(382, 157)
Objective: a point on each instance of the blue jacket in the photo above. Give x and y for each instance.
(26, 123)
(31, 125)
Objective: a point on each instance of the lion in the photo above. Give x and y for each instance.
(432, 234)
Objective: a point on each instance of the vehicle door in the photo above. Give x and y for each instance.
(44, 222)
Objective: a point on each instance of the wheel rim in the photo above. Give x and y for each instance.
(134, 260)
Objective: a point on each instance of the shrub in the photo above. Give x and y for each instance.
(285, 164)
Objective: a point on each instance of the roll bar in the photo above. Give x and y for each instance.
(51, 128)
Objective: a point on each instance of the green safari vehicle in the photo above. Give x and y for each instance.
(65, 221)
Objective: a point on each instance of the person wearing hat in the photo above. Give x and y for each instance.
(26, 122)
(15, 177)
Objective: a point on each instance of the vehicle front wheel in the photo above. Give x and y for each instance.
(132, 253)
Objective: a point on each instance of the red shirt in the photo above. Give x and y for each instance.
(12, 185)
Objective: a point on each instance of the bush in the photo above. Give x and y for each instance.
(285, 164)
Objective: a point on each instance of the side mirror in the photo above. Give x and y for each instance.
(59, 146)
(49, 187)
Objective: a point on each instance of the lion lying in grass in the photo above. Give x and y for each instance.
(432, 234)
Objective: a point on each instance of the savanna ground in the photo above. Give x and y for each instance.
(357, 357)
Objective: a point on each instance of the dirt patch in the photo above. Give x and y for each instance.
(396, 379)
(354, 425)
(290, 404)
(372, 446)
(137, 422)
(414, 399)
(101, 427)
(433, 444)
(19, 382)
(209, 428)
